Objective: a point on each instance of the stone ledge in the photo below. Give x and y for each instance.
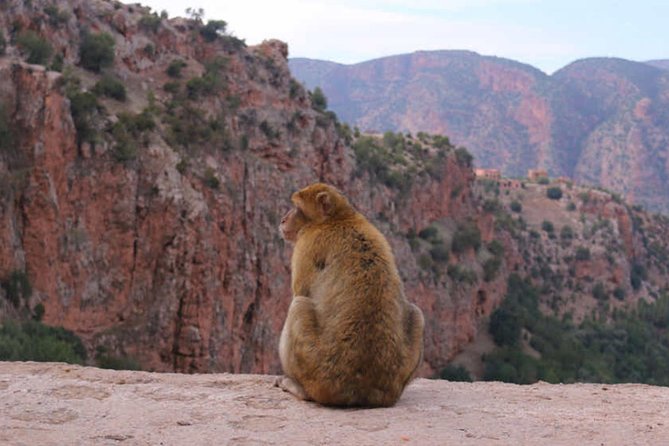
(61, 404)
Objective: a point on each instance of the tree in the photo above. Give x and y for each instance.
(213, 29)
(96, 51)
(36, 49)
(318, 99)
(554, 193)
(195, 14)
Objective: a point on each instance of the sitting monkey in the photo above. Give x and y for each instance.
(351, 338)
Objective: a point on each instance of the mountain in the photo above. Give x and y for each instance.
(660, 63)
(598, 121)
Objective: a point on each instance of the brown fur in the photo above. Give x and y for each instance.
(351, 338)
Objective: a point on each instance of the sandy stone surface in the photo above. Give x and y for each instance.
(59, 404)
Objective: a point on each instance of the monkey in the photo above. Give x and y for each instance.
(351, 337)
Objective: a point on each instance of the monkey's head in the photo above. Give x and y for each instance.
(313, 205)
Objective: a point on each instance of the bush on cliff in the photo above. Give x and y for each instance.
(34, 341)
(36, 49)
(96, 51)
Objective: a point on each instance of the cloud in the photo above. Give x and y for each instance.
(350, 31)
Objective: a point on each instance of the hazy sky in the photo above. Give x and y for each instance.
(545, 33)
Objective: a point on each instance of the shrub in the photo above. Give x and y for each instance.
(599, 292)
(466, 236)
(36, 49)
(6, 129)
(461, 274)
(496, 248)
(491, 205)
(56, 16)
(547, 226)
(175, 67)
(505, 326)
(150, 22)
(111, 87)
(17, 287)
(455, 373)
(516, 206)
(619, 293)
(571, 206)
(210, 179)
(554, 193)
(637, 275)
(429, 233)
(127, 133)
(96, 51)
(490, 268)
(107, 361)
(439, 253)
(213, 29)
(582, 253)
(567, 233)
(3, 44)
(84, 106)
(463, 157)
(543, 180)
(318, 99)
(33, 341)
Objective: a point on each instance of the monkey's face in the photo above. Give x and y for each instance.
(291, 223)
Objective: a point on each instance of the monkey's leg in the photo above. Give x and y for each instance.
(298, 345)
(414, 326)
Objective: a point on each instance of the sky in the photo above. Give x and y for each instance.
(547, 34)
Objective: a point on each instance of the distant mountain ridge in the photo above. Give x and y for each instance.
(600, 121)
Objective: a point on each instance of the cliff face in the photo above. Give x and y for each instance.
(163, 246)
(598, 121)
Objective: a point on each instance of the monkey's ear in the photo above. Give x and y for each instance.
(325, 203)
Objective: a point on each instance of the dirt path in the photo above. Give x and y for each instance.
(58, 404)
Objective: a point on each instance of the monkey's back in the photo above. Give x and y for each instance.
(361, 306)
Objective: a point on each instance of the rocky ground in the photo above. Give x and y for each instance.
(60, 404)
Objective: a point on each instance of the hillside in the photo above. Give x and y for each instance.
(69, 405)
(141, 198)
(598, 121)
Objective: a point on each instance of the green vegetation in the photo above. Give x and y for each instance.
(462, 274)
(105, 360)
(213, 29)
(547, 226)
(129, 132)
(210, 179)
(515, 206)
(36, 49)
(209, 83)
(463, 157)
(467, 235)
(96, 51)
(582, 253)
(84, 108)
(554, 193)
(56, 16)
(637, 275)
(3, 44)
(175, 67)
(33, 341)
(632, 347)
(543, 181)
(6, 129)
(455, 373)
(17, 287)
(150, 22)
(318, 100)
(111, 87)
